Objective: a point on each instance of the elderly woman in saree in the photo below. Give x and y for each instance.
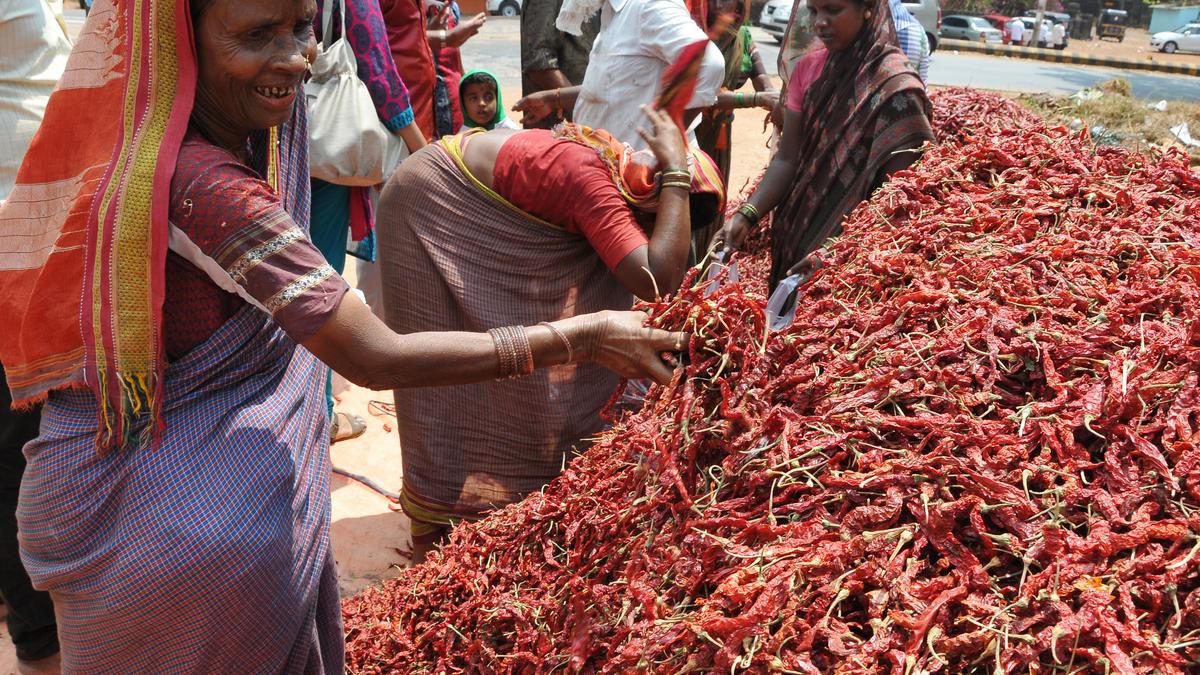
(856, 113)
(525, 226)
(164, 301)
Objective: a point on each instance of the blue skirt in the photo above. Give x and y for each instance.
(210, 552)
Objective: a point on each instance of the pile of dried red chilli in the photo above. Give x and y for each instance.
(974, 451)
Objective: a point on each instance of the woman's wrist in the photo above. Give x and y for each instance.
(583, 334)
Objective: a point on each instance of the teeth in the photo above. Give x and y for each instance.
(274, 92)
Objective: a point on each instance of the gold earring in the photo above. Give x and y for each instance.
(868, 14)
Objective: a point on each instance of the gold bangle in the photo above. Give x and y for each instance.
(686, 185)
(504, 353)
(524, 351)
(562, 338)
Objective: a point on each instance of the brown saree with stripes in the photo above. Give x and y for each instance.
(456, 257)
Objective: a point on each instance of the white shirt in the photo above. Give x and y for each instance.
(638, 40)
(1016, 31)
(1059, 33)
(33, 55)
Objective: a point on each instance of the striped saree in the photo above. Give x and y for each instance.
(210, 552)
(457, 257)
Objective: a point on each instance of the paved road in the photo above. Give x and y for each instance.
(1020, 75)
(498, 47)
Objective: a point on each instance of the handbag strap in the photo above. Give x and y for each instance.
(327, 19)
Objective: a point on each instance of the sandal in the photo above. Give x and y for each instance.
(345, 426)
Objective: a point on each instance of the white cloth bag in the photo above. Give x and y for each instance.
(347, 144)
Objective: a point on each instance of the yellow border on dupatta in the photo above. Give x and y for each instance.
(453, 145)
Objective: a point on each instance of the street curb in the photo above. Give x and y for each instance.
(1056, 56)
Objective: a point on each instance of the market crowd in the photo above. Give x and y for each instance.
(179, 206)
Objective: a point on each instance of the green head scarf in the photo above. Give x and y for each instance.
(462, 85)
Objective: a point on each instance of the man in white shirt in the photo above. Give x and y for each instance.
(638, 40)
(1016, 32)
(1059, 34)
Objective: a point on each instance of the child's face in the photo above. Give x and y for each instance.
(479, 102)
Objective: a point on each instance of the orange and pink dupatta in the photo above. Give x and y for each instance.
(83, 236)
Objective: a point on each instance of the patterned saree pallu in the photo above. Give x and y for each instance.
(85, 229)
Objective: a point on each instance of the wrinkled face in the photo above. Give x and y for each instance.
(836, 22)
(479, 102)
(253, 55)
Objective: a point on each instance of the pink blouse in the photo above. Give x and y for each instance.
(807, 70)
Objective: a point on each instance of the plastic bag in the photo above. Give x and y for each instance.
(715, 268)
(781, 307)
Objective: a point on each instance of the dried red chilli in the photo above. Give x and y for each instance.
(974, 451)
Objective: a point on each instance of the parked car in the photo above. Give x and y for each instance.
(775, 15)
(1031, 34)
(929, 14)
(973, 28)
(504, 7)
(1055, 18)
(1186, 37)
(1000, 23)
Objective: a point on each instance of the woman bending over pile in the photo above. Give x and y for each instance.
(524, 226)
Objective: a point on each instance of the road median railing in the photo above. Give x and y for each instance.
(1064, 56)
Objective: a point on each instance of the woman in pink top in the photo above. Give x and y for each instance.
(856, 113)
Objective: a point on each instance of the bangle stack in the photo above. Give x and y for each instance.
(750, 212)
(513, 351)
(678, 178)
(563, 338)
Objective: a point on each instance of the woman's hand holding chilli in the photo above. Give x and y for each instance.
(665, 139)
(623, 343)
(767, 100)
(807, 267)
(732, 234)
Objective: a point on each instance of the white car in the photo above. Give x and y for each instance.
(1185, 37)
(775, 15)
(504, 7)
(973, 28)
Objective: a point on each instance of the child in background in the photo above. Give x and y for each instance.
(479, 93)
